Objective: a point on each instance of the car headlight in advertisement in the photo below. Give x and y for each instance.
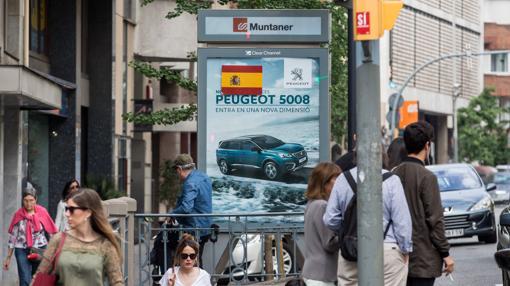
(285, 155)
(483, 204)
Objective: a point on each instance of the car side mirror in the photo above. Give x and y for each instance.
(490, 187)
(502, 258)
(504, 219)
(255, 149)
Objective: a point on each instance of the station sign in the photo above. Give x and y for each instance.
(268, 26)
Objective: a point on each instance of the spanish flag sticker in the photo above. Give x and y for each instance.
(241, 80)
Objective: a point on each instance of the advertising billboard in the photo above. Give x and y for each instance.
(263, 125)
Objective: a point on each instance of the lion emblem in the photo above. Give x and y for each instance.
(297, 74)
(235, 80)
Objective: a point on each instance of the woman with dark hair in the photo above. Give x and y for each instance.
(61, 220)
(322, 244)
(26, 234)
(396, 152)
(187, 271)
(90, 249)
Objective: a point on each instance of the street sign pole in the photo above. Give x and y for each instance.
(370, 229)
(371, 19)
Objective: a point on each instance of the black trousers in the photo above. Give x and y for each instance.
(203, 240)
(415, 281)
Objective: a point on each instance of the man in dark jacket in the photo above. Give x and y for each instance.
(430, 246)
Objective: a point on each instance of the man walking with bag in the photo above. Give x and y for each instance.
(340, 216)
(431, 248)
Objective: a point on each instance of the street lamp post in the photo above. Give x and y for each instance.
(456, 94)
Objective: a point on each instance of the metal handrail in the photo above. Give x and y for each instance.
(240, 245)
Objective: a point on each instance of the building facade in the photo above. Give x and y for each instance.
(64, 85)
(426, 30)
(496, 67)
(168, 46)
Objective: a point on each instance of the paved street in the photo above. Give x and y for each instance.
(475, 265)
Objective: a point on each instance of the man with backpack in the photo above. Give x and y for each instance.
(340, 216)
(431, 248)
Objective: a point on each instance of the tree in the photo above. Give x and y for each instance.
(482, 135)
(337, 46)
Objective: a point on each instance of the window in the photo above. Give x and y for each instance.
(247, 145)
(499, 63)
(232, 145)
(39, 26)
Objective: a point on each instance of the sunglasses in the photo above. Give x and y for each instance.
(185, 256)
(72, 209)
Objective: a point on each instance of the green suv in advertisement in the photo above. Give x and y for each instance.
(269, 154)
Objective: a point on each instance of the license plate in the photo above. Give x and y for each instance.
(302, 160)
(454, 232)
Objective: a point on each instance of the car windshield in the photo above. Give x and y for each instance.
(267, 142)
(456, 178)
(502, 178)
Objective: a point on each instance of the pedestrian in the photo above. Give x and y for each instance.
(185, 270)
(91, 250)
(27, 236)
(396, 222)
(347, 161)
(321, 244)
(61, 219)
(336, 152)
(431, 248)
(396, 152)
(195, 198)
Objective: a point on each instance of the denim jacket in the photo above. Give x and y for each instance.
(196, 198)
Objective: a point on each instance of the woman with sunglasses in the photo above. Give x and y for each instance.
(61, 220)
(91, 250)
(187, 273)
(26, 236)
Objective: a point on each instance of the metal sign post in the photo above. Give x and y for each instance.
(370, 230)
(371, 19)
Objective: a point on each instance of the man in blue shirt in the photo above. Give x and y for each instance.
(195, 198)
(398, 240)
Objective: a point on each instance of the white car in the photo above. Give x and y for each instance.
(254, 262)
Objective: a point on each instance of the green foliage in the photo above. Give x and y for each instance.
(482, 137)
(164, 73)
(103, 186)
(337, 46)
(166, 116)
(170, 188)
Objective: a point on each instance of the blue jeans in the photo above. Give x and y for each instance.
(26, 268)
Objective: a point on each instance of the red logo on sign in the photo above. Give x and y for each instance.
(240, 25)
(362, 23)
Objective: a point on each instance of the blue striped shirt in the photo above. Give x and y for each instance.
(394, 208)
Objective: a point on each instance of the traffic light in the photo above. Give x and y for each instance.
(372, 17)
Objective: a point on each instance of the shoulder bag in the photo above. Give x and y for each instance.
(48, 278)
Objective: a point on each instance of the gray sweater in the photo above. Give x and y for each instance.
(322, 244)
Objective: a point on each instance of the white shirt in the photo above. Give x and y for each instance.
(61, 219)
(203, 279)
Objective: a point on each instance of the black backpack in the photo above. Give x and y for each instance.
(349, 233)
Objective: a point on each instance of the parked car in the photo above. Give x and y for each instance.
(503, 168)
(254, 263)
(269, 154)
(502, 181)
(468, 208)
(502, 255)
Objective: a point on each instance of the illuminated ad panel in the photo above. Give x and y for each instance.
(263, 125)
